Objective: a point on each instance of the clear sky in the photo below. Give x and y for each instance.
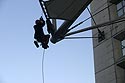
(68, 61)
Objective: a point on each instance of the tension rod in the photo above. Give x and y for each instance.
(94, 20)
(88, 18)
(78, 37)
(120, 19)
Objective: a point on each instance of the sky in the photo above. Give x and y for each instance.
(68, 61)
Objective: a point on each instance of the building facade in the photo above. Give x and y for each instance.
(109, 49)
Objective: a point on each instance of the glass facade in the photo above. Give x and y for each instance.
(121, 8)
(123, 47)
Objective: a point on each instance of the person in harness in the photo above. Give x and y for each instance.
(39, 35)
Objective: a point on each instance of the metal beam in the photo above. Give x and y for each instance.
(43, 8)
(62, 30)
(54, 23)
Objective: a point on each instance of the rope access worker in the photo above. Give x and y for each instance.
(39, 34)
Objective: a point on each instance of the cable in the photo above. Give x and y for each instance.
(91, 16)
(43, 65)
(100, 7)
(94, 21)
(78, 37)
(88, 18)
(120, 19)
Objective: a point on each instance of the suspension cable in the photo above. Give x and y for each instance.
(100, 7)
(94, 20)
(120, 19)
(43, 56)
(89, 18)
(78, 37)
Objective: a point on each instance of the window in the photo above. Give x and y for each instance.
(121, 62)
(120, 45)
(123, 47)
(115, 1)
(121, 8)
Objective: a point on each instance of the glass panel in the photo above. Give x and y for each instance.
(124, 10)
(123, 51)
(123, 42)
(120, 12)
(123, 47)
(119, 5)
(123, 2)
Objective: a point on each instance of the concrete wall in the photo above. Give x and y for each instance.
(108, 51)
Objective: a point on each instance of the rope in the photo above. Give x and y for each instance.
(43, 65)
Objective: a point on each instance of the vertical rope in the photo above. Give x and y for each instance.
(43, 65)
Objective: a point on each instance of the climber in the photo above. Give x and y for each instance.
(39, 35)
